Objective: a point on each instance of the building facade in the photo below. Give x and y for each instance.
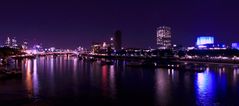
(8, 42)
(164, 37)
(202, 40)
(117, 40)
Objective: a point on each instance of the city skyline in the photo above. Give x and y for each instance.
(81, 23)
(119, 52)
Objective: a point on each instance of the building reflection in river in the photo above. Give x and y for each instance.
(208, 84)
(64, 77)
(104, 80)
(112, 82)
(35, 79)
(204, 87)
(28, 80)
(199, 88)
(108, 81)
(162, 87)
(31, 81)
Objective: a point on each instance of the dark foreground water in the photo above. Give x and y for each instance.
(68, 81)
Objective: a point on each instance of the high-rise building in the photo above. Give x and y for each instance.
(164, 37)
(24, 45)
(112, 43)
(14, 43)
(117, 40)
(8, 42)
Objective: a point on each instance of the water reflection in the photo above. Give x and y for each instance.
(67, 77)
(108, 81)
(52, 64)
(35, 79)
(75, 76)
(52, 75)
(208, 84)
(162, 87)
(104, 80)
(204, 88)
(29, 78)
(32, 82)
(235, 74)
(112, 81)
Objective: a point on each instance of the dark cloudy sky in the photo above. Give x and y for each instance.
(73, 23)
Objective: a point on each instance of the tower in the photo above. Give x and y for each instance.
(118, 40)
(8, 42)
(14, 42)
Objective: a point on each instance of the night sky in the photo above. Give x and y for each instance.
(68, 24)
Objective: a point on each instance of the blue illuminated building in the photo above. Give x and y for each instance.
(235, 46)
(202, 40)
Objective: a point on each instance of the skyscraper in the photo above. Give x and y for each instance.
(8, 42)
(24, 45)
(117, 40)
(14, 43)
(112, 43)
(164, 37)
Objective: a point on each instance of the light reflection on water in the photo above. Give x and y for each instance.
(29, 79)
(112, 82)
(162, 87)
(35, 79)
(58, 78)
(205, 88)
(210, 87)
(104, 80)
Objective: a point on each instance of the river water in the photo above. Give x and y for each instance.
(64, 80)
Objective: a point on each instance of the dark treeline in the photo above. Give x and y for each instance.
(6, 51)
